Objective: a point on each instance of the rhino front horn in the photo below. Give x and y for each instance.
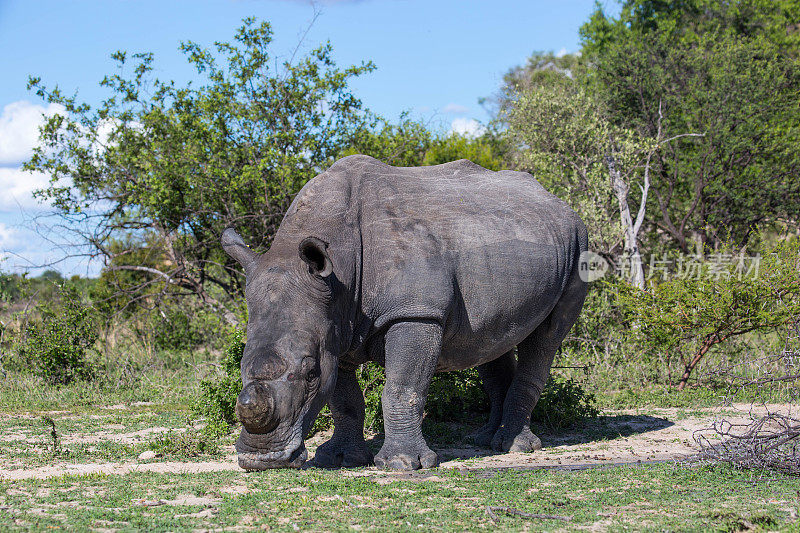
(255, 408)
(234, 246)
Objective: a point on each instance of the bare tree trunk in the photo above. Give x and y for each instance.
(629, 229)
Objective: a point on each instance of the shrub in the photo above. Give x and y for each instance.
(9, 287)
(175, 331)
(682, 319)
(455, 395)
(371, 377)
(56, 343)
(216, 399)
(563, 402)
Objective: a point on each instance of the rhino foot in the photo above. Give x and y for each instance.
(524, 441)
(337, 453)
(393, 457)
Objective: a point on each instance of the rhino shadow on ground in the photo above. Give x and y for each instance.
(451, 439)
(603, 428)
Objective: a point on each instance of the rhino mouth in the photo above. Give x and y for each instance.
(253, 455)
(265, 461)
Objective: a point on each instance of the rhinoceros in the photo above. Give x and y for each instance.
(421, 270)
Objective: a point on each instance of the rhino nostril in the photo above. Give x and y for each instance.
(255, 408)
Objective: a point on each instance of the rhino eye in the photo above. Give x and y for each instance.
(312, 374)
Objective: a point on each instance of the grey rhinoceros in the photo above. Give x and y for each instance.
(421, 270)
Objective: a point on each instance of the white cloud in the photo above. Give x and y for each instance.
(8, 239)
(562, 52)
(455, 108)
(17, 186)
(467, 126)
(19, 129)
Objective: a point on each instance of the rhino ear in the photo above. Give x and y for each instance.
(235, 247)
(314, 252)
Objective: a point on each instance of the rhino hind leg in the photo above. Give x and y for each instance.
(496, 377)
(412, 351)
(346, 448)
(535, 355)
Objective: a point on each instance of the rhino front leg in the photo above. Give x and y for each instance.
(347, 447)
(412, 351)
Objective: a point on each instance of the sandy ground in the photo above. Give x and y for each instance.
(617, 437)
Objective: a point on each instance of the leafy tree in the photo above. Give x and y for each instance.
(541, 69)
(402, 145)
(570, 144)
(160, 169)
(410, 143)
(486, 150)
(52, 276)
(686, 21)
(705, 67)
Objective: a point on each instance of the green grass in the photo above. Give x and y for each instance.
(661, 497)
(121, 378)
(650, 498)
(690, 398)
(27, 440)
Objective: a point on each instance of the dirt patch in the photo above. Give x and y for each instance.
(133, 437)
(238, 490)
(167, 467)
(190, 499)
(618, 437)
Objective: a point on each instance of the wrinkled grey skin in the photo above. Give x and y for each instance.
(422, 270)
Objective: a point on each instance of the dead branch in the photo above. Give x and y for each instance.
(769, 441)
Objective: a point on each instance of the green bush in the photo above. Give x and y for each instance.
(563, 402)
(456, 395)
(371, 377)
(680, 321)
(56, 343)
(216, 399)
(175, 331)
(9, 287)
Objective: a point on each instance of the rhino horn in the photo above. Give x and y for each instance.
(234, 246)
(255, 408)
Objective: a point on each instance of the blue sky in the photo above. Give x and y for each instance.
(434, 58)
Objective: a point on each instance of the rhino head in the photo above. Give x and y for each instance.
(290, 357)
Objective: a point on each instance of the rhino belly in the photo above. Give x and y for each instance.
(503, 292)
